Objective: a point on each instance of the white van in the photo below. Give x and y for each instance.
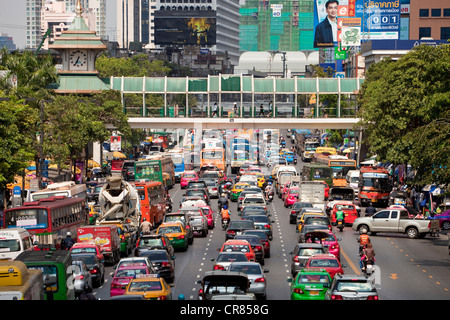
(352, 179)
(14, 241)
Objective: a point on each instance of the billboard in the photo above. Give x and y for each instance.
(185, 27)
(355, 20)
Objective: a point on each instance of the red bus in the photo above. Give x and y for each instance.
(48, 220)
(152, 197)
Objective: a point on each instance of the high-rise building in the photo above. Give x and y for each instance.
(7, 42)
(271, 25)
(58, 15)
(162, 23)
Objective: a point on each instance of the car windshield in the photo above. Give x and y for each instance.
(324, 263)
(354, 285)
(231, 257)
(171, 229)
(138, 286)
(149, 242)
(312, 278)
(245, 268)
(310, 251)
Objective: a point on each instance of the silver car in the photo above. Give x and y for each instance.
(213, 188)
(81, 276)
(255, 274)
(352, 287)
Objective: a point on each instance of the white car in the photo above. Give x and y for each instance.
(255, 275)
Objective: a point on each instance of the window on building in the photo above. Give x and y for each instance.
(424, 13)
(424, 32)
(446, 12)
(436, 12)
(445, 33)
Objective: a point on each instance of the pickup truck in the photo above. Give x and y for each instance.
(396, 221)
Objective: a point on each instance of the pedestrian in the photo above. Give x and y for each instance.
(235, 108)
(214, 110)
(270, 109)
(261, 110)
(370, 211)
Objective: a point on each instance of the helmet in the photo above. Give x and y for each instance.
(364, 231)
(69, 234)
(223, 195)
(270, 183)
(225, 207)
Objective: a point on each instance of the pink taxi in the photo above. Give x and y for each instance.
(124, 275)
(186, 177)
(291, 196)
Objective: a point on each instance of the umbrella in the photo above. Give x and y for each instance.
(348, 150)
(92, 164)
(117, 154)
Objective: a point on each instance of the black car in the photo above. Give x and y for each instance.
(262, 222)
(295, 209)
(198, 192)
(94, 264)
(128, 170)
(309, 228)
(163, 263)
(252, 210)
(153, 242)
(264, 240)
(197, 184)
(256, 244)
(236, 227)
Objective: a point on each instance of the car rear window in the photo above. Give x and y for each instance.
(324, 263)
(354, 285)
(313, 278)
(310, 251)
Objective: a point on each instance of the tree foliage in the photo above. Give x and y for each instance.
(405, 110)
(136, 66)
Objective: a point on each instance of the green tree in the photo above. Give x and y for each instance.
(137, 66)
(405, 110)
(16, 135)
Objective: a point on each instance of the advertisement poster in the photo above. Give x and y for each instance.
(79, 172)
(377, 20)
(116, 143)
(185, 27)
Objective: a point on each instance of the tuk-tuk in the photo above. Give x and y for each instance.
(397, 197)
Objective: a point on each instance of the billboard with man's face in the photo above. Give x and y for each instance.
(185, 27)
(349, 21)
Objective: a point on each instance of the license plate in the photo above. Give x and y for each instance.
(314, 293)
(374, 200)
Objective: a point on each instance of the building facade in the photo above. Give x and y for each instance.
(429, 19)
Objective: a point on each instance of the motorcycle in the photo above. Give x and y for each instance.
(369, 269)
(340, 225)
(225, 223)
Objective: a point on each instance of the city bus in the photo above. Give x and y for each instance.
(340, 168)
(56, 267)
(240, 154)
(152, 198)
(68, 189)
(156, 168)
(48, 220)
(213, 156)
(317, 172)
(374, 186)
(17, 282)
(178, 159)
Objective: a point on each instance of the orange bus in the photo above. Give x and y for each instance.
(213, 156)
(152, 198)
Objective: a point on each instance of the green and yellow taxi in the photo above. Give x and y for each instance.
(176, 233)
(310, 284)
(150, 286)
(237, 189)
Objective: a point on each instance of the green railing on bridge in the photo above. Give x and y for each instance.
(194, 97)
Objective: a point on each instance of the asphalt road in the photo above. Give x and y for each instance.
(408, 269)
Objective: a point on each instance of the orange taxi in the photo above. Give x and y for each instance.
(150, 286)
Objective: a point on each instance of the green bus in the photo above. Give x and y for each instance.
(156, 168)
(56, 267)
(317, 172)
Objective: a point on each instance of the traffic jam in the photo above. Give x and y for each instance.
(232, 215)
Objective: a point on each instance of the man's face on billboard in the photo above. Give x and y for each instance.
(332, 10)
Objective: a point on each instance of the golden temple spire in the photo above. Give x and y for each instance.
(79, 9)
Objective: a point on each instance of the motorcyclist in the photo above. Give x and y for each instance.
(223, 201)
(363, 240)
(68, 242)
(340, 216)
(269, 189)
(146, 226)
(225, 213)
(368, 256)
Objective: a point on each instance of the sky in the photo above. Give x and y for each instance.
(13, 19)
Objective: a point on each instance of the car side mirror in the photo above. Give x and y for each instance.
(344, 266)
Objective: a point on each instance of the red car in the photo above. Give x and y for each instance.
(209, 215)
(327, 189)
(332, 245)
(186, 177)
(349, 209)
(284, 190)
(291, 196)
(327, 261)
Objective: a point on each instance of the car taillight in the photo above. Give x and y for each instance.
(214, 189)
(218, 267)
(336, 297)
(79, 277)
(372, 298)
(116, 286)
(231, 232)
(260, 280)
(267, 226)
(165, 264)
(180, 237)
(137, 243)
(298, 290)
(94, 271)
(162, 298)
(257, 248)
(296, 259)
(293, 212)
